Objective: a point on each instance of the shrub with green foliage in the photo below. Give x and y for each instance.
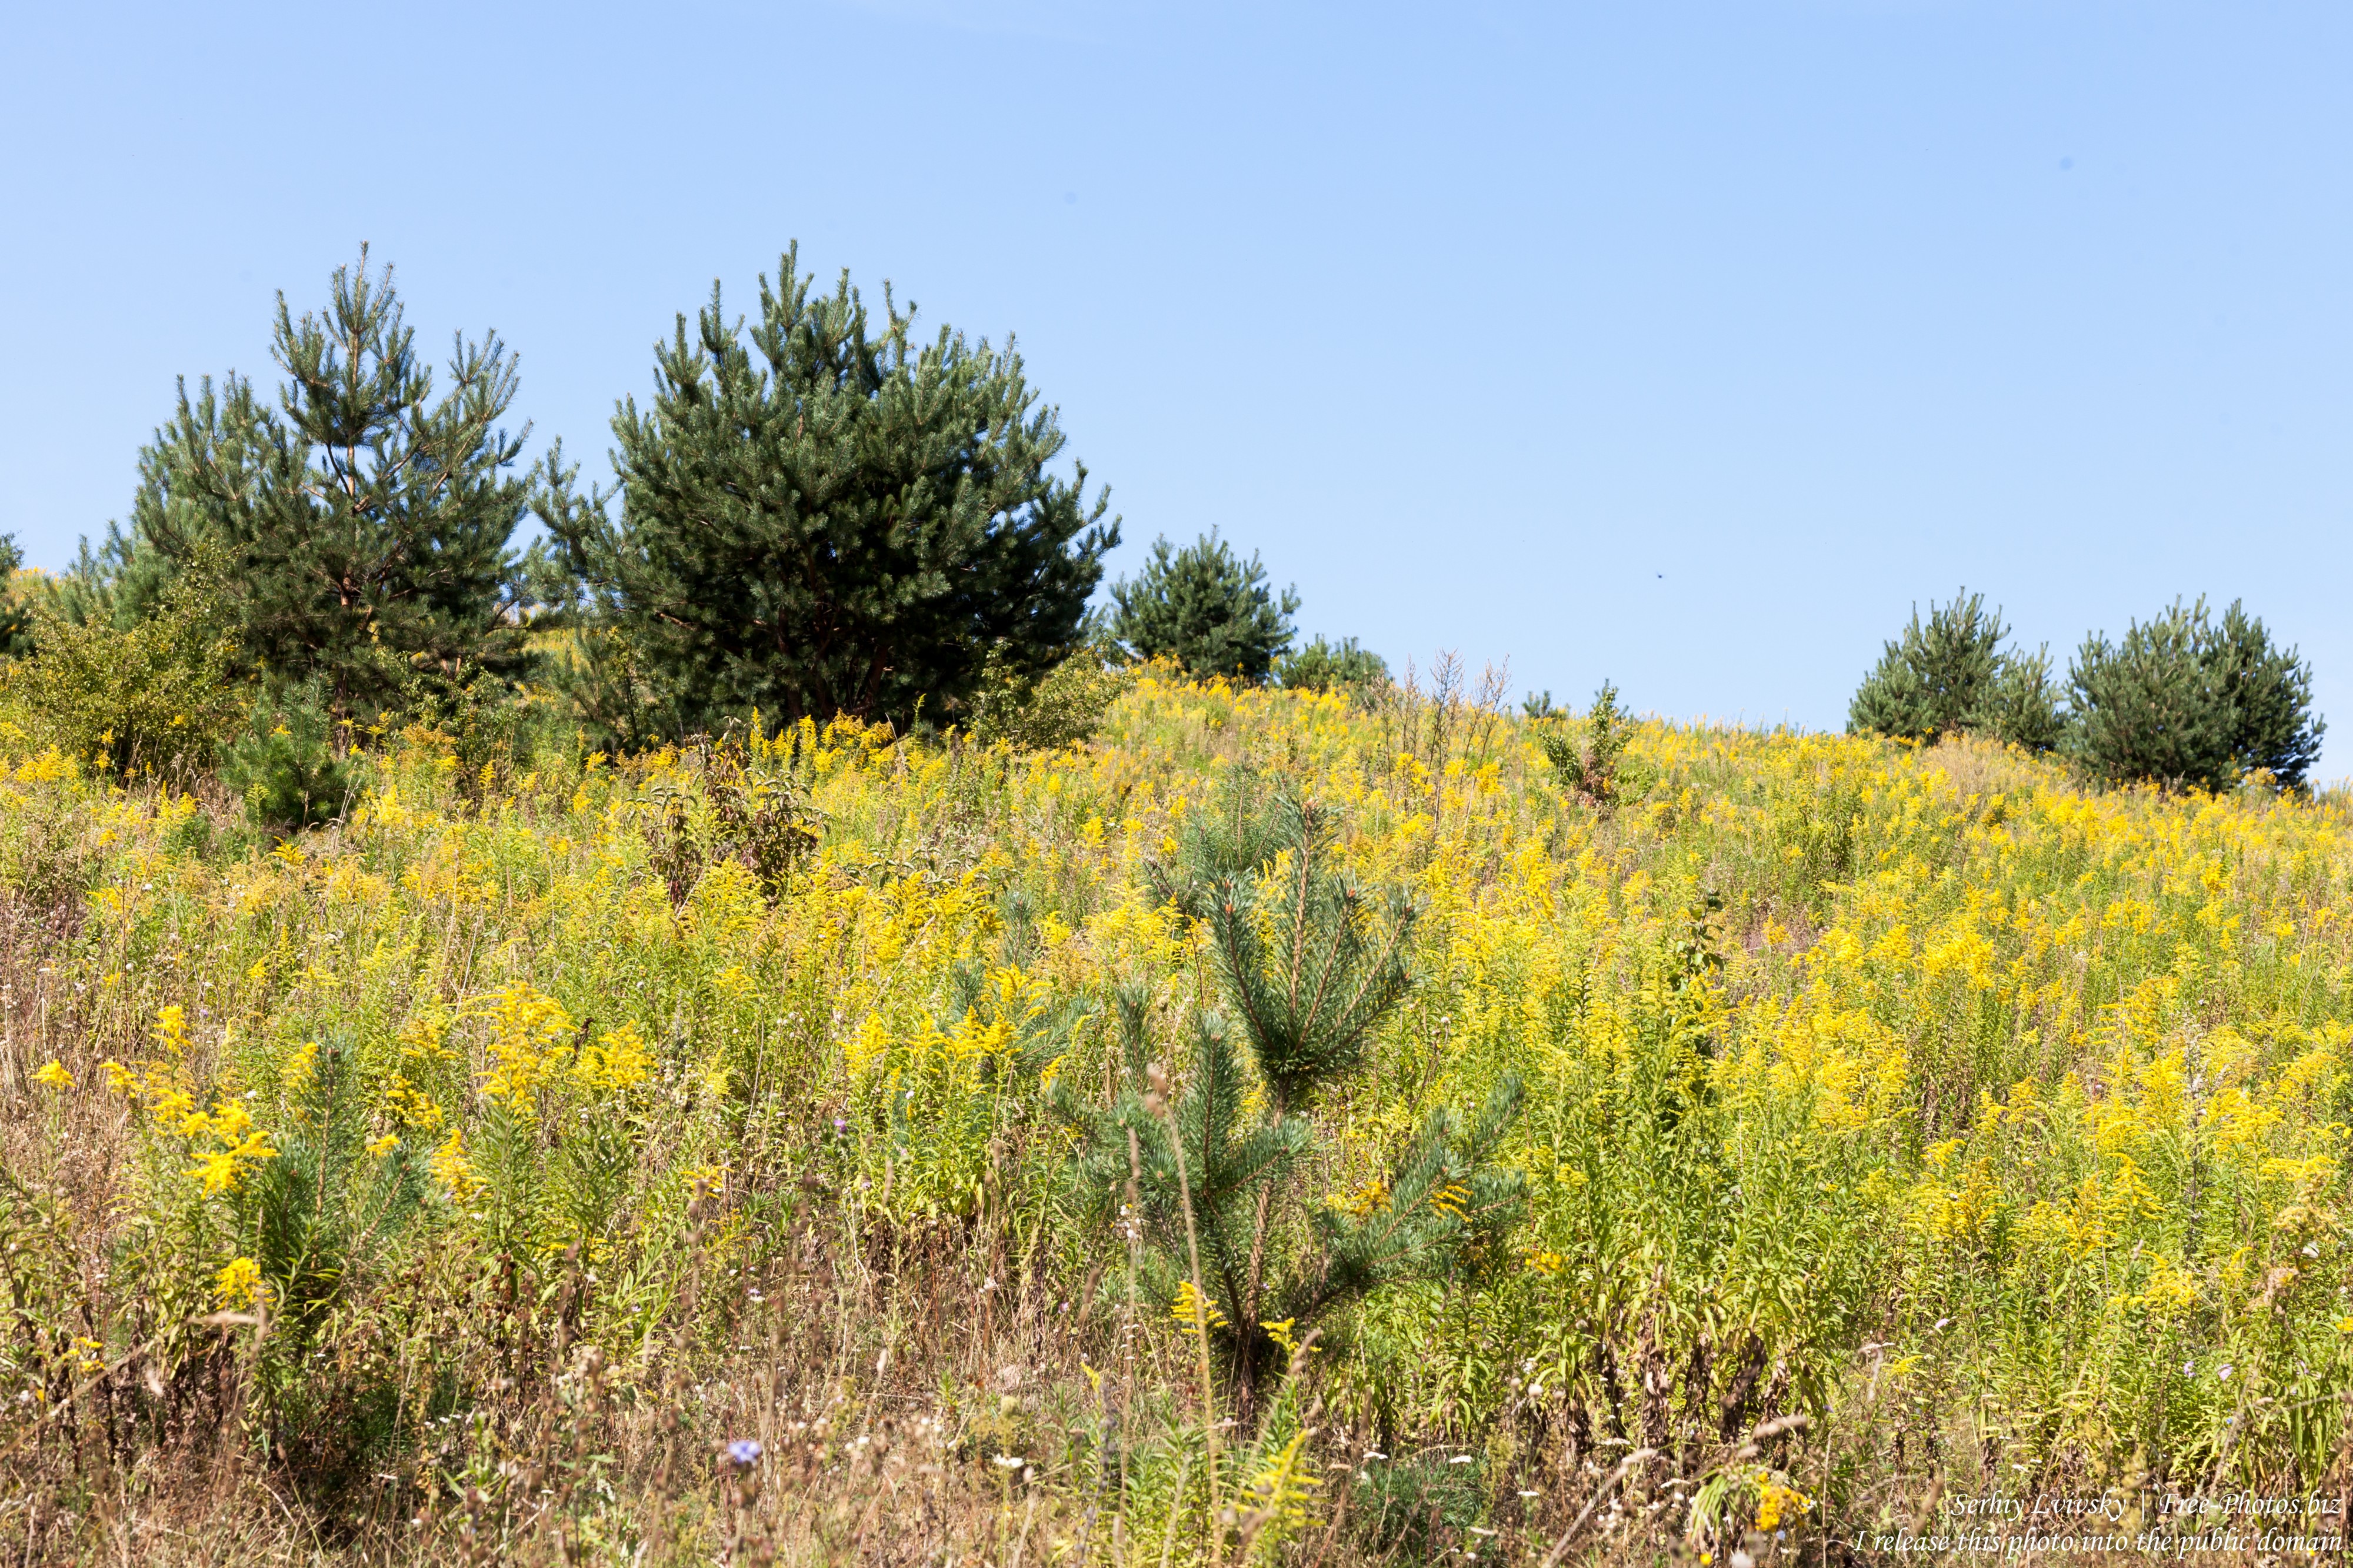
(1061, 708)
(1952, 675)
(286, 766)
(363, 521)
(15, 610)
(1588, 757)
(842, 524)
(1205, 608)
(2185, 701)
(1323, 666)
(152, 700)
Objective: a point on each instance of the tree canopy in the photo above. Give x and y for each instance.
(2189, 702)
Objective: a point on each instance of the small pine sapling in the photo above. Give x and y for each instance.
(1311, 964)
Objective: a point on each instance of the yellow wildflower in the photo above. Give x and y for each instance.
(52, 1073)
(453, 1170)
(240, 1146)
(1773, 1499)
(529, 1038)
(239, 1284)
(1450, 1199)
(303, 1066)
(1195, 1310)
(620, 1060)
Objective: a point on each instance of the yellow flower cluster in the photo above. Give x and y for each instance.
(1195, 1310)
(238, 1283)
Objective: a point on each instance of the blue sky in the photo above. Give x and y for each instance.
(1684, 344)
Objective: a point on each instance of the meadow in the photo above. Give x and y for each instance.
(569, 1158)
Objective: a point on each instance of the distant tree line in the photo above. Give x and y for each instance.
(818, 511)
(2186, 700)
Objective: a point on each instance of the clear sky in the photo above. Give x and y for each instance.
(1685, 344)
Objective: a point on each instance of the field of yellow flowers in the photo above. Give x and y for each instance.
(590, 1158)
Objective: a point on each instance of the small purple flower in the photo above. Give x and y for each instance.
(840, 1125)
(744, 1453)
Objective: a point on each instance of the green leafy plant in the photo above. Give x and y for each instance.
(1323, 666)
(155, 698)
(321, 1219)
(2186, 702)
(1204, 607)
(1410, 1507)
(1589, 759)
(483, 718)
(1310, 962)
(1061, 708)
(1951, 675)
(286, 766)
(760, 812)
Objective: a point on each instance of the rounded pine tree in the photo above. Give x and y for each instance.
(1951, 675)
(825, 516)
(1204, 607)
(2184, 701)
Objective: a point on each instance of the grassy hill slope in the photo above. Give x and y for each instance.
(463, 1179)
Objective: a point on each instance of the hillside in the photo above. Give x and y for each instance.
(459, 1182)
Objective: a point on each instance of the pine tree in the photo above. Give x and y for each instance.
(1206, 609)
(1310, 968)
(365, 523)
(2184, 703)
(1952, 675)
(831, 517)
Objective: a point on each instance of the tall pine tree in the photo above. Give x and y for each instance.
(826, 516)
(363, 521)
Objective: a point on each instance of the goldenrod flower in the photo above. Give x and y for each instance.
(453, 1170)
(239, 1146)
(620, 1060)
(1195, 1310)
(239, 1284)
(1773, 1499)
(1450, 1199)
(531, 1036)
(52, 1073)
